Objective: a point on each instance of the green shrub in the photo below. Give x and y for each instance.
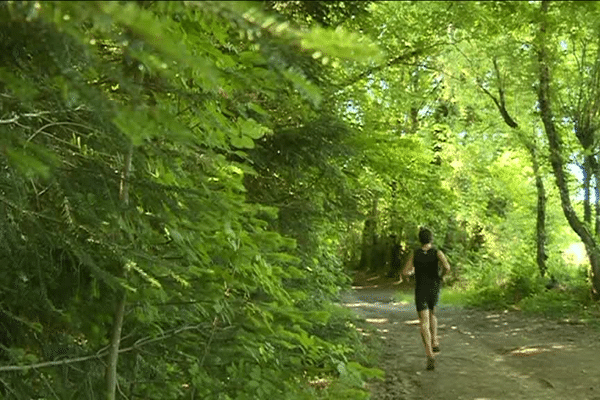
(453, 297)
(567, 299)
(522, 286)
(487, 297)
(551, 303)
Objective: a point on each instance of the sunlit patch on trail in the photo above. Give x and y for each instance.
(365, 287)
(353, 305)
(377, 320)
(376, 304)
(412, 322)
(528, 351)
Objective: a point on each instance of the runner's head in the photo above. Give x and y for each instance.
(425, 235)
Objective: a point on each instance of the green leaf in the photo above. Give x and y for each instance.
(22, 88)
(251, 128)
(27, 164)
(242, 142)
(341, 44)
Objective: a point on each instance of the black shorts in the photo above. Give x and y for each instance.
(427, 296)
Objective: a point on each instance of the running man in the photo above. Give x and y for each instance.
(424, 261)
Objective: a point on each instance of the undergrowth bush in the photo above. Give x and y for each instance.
(552, 303)
(570, 297)
(489, 282)
(353, 360)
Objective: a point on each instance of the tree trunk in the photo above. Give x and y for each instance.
(597, 204)
(115, 337)
(394, 223)
(365, 252)
(597, 208)
(375, 253)
(556, 159)
(369, 239)
(541, 215)
(595, 168)
(587, 205)
(115, 342)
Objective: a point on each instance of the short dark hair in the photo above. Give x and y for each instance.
(425, 235)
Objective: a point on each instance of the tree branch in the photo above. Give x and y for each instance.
(501, 102)
(212, 335)
(390, 63)
(16, 118)
(115, 340)
(54, 124)
(26, 212)
(101, 354)
(8, 368)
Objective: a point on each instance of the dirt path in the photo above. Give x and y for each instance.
(484, 355)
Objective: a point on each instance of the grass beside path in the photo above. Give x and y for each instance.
(570, 305)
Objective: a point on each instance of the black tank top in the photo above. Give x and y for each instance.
(426, 266)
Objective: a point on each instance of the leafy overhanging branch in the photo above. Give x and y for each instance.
(403, 58)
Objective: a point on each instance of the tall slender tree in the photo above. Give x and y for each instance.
(545, 49)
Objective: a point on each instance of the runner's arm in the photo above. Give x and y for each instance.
(409, 267)
(445, 264)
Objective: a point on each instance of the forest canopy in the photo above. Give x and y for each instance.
(186, 188)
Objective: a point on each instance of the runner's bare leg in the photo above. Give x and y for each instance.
(433, 328)
(426, 332)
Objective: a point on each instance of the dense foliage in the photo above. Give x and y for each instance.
(186, 187)
(128, 232)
